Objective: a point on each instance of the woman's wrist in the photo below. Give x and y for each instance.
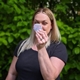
(41, 46)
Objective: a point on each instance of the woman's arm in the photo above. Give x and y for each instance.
(50, 67)
(12, 71)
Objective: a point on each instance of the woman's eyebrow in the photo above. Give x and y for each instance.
(40, 20)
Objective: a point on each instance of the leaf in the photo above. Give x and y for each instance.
(22, 1)
(20, 23)
(2, 33)
(28, 31)
(70, 36)
(62, 32)
(10, 39)
(67, 67)
(64, 40)
(16, 35)
(18, 10)
(77, 50)
(4, 41)
(78, 66)
(77, 77)
(74, 41)
(15, 18)
(60, 7)
(70, 45)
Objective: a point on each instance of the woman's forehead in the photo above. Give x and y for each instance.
(41, 16)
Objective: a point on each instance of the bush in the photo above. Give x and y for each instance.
(15, 25)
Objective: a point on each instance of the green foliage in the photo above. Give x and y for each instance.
(70, 30)
(15, 25)
(70, 37)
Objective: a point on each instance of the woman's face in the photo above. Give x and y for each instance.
(43, 19)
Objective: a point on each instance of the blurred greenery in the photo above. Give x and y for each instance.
(15, 25)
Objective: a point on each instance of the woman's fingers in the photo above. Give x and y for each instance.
(42, 36)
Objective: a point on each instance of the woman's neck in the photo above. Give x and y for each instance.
(34, 46)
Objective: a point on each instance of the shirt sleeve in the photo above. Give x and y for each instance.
(16, 49)
(60, 52)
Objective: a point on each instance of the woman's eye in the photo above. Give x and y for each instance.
(44, 23)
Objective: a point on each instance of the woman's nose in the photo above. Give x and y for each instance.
(41, 24)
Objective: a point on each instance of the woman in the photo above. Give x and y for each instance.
(42, 56)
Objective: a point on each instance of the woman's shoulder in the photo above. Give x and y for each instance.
(59, 50)
(19, 46)
(57, 44)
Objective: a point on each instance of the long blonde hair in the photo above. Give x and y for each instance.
(54, 35)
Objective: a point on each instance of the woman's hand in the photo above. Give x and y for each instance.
(42, 38)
